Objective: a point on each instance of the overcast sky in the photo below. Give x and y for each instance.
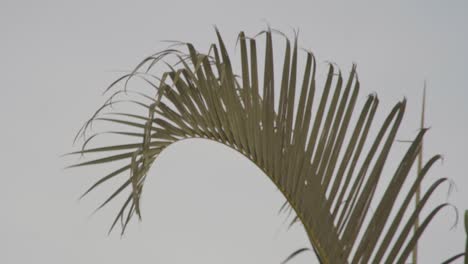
(204, 203)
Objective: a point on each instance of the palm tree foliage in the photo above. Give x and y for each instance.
(316, 149)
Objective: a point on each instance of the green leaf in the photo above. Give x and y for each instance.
(326, 163)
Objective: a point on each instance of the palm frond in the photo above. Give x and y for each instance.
(318, 158)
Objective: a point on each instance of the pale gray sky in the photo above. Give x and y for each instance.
(58, 56)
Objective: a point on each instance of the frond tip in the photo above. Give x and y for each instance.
(314, 154)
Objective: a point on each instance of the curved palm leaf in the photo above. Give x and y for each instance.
(317, 159)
